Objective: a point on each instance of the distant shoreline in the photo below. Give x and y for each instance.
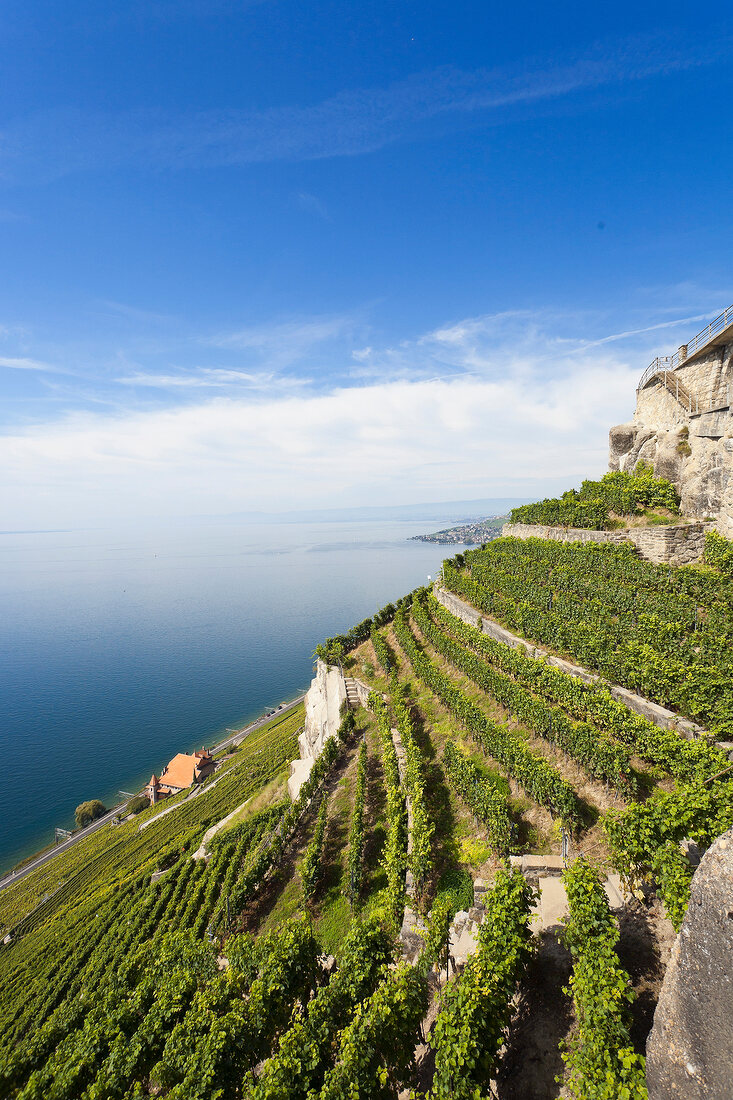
(467, 534)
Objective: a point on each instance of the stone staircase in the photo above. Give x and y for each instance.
(352, 692)
(686, 398)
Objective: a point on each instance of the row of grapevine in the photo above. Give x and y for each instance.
(381, 651)
(355, 857)
(201, 1061)
(172, 1017)
(184, 899)
(422, 828)
(375, 1052)
(538, 777)
(88, 935)
(270, 851)
(242, 839)
(395, 849)
(312, 865)
(483, 795)
(600, 1059)
(333, 650)
(719, 553)
(689, 586)
(599, 755)
(373, 1056)
(113, 852)
(589, 702)
(666, 659)
(476, 1008)
(57, 1012)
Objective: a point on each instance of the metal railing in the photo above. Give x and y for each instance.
(671, 362)
(682, 395)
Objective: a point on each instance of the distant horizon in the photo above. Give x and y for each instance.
(409, 512)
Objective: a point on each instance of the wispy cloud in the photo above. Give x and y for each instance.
(350, 123)
(213, 378)
(311, 204)
(280, 344)
(134, 313)
(648, 328)
(22, 363)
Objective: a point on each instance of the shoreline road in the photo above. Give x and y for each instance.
(241, 734)
(15, 876)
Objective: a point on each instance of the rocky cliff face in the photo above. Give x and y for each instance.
(690, 1047)
(688, 437)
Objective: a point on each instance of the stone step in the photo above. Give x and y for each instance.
(615, 892)
(538, 865)
(463, 943)
(552, 906)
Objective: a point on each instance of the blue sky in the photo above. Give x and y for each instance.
(270, 254)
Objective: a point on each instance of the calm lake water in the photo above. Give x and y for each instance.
(119, 650)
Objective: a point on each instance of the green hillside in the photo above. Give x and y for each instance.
(273, 968)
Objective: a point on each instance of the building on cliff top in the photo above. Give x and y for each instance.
(182, 772)
(683, 424)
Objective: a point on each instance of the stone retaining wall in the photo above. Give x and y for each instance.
(676, 544)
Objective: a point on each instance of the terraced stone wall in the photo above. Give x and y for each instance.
(677, 544)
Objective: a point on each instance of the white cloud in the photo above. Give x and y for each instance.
(386, 442)
(502, 404)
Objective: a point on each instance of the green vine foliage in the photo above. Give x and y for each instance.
(541, 781)
(420, 858)
(307, 1050)
(623, 493)
(645, 837)
(665, 633)
(171, 1016)
(476, 1008)
(198, 1059)
(601, 1062)
(719, 553)
(381, 650)
(602, 757)
(673, 873)
(486, 798)
(394, 859)
(333, 650)
(355, 857)
(590, 702)
(311, 867)
(375, 1053)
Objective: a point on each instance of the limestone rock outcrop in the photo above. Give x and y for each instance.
(690, 1047)
(323, 704)
(687, 439)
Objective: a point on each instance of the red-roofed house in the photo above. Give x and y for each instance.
(182, 772)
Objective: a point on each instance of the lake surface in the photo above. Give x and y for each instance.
(118, 650)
